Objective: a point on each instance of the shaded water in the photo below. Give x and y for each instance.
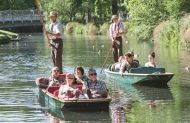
(22, 62)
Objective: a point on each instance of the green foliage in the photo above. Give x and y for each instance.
(80, 29)
(92, 29)
(169, 36)
(174, 8)
(104, 28)
(102, 9)
(16, 4)
(69, 29)
(8, 34)
(144, 16)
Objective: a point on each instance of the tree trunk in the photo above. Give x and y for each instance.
(114, 7)
(89, 15)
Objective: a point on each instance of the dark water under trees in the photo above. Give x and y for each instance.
(23, 62)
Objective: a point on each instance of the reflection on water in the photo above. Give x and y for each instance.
(81, 116)
(23, 62)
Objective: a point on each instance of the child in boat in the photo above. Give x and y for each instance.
(53, 80)
(116, 66)
(69, 90)
(152, 62)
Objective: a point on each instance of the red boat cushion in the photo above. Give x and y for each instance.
(56, 93)
(62, 76)
(79, 86)
(52, 89)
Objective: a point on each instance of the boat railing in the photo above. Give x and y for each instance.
(147, 70)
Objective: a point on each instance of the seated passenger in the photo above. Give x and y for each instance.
(94, 88)
(69, 90)
(152, 62)
(128, 63)
(53, 80)
(117, 65)
(79, 75)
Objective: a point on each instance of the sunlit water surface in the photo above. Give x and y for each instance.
(22, 62)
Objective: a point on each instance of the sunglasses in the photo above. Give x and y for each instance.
(56, 70)
(93, 74)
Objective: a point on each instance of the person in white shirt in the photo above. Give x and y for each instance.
(116, 30)
(152, 62)
(56, 35)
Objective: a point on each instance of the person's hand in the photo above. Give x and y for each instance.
(47, 32)
(50, 44)
(121, 73)
(94, 92)
(78, 81)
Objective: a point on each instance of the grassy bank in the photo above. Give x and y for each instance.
(5, 36)
(174, 33)
(90, 28)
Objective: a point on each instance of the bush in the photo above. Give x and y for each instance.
(185, 31)
(69, 29)
(92, 29)
(104, 29)
(169, 34)
(80, 29)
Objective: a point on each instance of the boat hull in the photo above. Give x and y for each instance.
(49, 100)
(141, 79)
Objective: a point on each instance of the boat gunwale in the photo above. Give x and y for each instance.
(137, 74)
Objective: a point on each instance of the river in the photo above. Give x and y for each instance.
(24, 61)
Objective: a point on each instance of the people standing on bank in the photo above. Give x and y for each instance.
(56, 34)
(116, 30)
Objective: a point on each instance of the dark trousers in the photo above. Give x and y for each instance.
(56, 53)
(117, 49)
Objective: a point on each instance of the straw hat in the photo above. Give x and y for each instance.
(53, 13)
(114, 16)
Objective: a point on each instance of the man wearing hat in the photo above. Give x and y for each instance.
(56, 34)
(116, 30)
(128, 63)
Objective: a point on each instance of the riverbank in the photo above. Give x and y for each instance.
(6, 36)
(174, 32)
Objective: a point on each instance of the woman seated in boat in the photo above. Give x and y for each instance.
(152, 62)
(116, 66)
(94, 88)
(79, 75)
(128, 63)
(53, 80)
(69, 90)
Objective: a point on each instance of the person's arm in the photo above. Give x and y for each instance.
(121, 30)
(61, 94)
(44, 84)
(84, 88)
(111, 32)
(53, 34)
(102, 90)
(58, 31)
(122, 69)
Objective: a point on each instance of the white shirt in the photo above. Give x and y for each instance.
(57, 28)
(113, 29)
(149, 64)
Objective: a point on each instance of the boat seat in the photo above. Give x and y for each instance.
(52, 89)
(62, 76)
(56, 93)
(147, 70)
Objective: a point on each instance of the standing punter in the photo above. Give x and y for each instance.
(116, 30)
(56, 34)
